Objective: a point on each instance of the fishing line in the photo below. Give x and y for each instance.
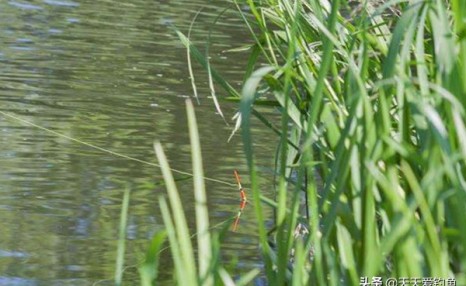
(58, 134)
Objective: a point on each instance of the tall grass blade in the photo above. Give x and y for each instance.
(209, 73)
(175, 245)
(188, 57)
(202, 216)
(148, 271)
(122, 238)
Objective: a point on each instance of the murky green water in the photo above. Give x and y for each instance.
(112, 74)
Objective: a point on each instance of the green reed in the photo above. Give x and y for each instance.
(371, 155)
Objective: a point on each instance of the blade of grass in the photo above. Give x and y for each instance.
(202, 216)
(148, 271)
(122, 238)
(207, 57)
(345, 242)
(188, 57)
(175, 246)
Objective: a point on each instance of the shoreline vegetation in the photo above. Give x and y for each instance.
(371, 161)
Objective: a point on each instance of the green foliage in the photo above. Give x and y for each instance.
(372, 132)
(122, 238)
(148, 271)
(376, 106)
(207, 269)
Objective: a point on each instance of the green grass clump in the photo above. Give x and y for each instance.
(207, 268)
(372, 132)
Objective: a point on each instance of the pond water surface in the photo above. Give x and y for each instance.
(112, 74)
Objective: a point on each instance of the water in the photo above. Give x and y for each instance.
(112, 74)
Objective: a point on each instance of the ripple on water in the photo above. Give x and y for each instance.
(23, 5)
(61, 3)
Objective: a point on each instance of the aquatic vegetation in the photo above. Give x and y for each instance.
(206, 269)
(371, 160)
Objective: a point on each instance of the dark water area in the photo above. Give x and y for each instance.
(112, 74)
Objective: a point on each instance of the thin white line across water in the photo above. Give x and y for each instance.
(58, 134)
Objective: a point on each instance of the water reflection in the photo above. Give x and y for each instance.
(112, 74)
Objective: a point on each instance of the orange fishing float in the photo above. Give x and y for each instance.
(243, 202)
